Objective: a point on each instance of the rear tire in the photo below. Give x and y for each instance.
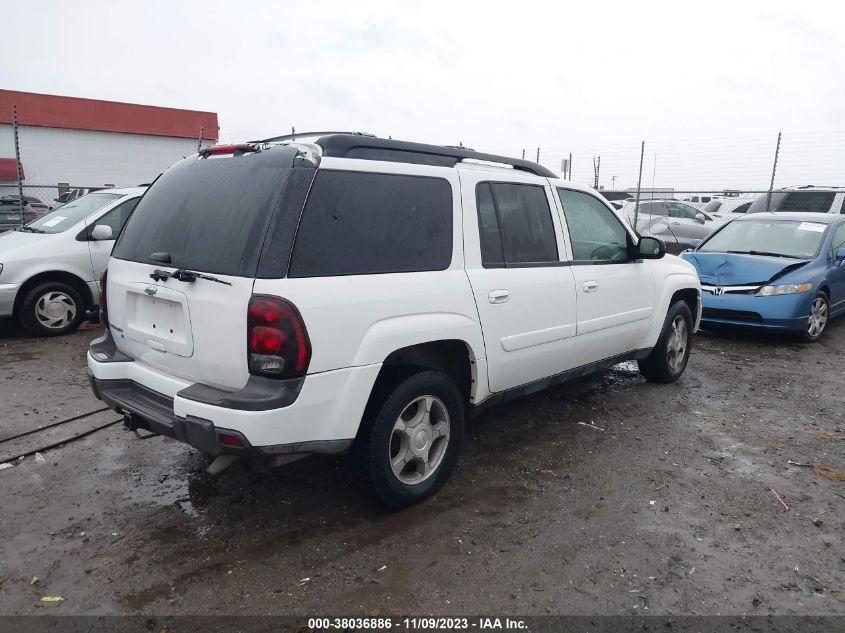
(668, 360)
(52, 309)
(817, 321)
(411, 441)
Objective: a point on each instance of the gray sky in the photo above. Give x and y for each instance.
(707, 85)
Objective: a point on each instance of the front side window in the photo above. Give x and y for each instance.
(357, 223)
(678, 210)
(838, 241)
(652, 208)
(519, 218)
(117, 217)
(595, 232)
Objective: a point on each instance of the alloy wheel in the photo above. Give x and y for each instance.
(419, 440)
(818, 317)
(676, 345)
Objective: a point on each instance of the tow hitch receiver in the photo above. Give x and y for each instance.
(131, 423)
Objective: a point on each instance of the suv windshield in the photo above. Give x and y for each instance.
(71, 213)
(784, 238)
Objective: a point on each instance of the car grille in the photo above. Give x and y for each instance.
(731, 315)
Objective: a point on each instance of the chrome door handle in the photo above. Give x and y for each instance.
(590, 286)
(498, 296)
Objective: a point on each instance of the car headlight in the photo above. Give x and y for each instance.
(786, 289)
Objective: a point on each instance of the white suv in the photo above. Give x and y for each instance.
(367, 295)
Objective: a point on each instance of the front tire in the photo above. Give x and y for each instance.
(52, 309)
(817, 321)
(668, 360)
(412, 440)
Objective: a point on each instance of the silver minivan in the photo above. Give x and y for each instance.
(50, 268)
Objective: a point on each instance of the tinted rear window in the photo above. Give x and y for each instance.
(359, 223)
(209, 215)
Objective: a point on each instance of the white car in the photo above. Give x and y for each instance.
(49, 268)
(728, 207)
(366, 295)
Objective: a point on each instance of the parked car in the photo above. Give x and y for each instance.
(725, 207)
(363, 294)
(49, 268)
(673, 221)
(776, 271)
(805, 199)
(13, 213)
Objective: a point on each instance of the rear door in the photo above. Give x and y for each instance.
(206, 215)
(836, 270)
(615, 291)
(517, 265)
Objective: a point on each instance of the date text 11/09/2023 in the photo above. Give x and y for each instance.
(416, 624)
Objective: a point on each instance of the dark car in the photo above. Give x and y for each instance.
(14, 213)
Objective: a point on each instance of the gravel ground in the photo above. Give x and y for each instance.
(663, 506)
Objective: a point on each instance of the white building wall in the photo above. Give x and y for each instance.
(85, 158)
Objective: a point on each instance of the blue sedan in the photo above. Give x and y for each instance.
(777, 271)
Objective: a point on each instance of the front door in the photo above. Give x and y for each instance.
(523, 287)
(615, 292)
(100, 250)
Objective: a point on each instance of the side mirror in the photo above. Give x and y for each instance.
(650, 248)
(695, 243)
(101, 232)
(840, 254)
(700, 217)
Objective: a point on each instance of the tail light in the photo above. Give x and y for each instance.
(104, 314)
(277, 342)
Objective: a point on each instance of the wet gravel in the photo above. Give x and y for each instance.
(604, 496)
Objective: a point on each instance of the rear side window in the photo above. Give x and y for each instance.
(813, 201)
(357, 223)
(208, 215)
(515, 224)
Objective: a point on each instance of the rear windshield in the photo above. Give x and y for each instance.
(207, 215)
(73, 212)
(784, 238)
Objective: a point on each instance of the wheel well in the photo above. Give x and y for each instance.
(689, 296)
(56, 275)
(825, 290)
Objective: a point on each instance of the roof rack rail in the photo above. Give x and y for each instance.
(344, 145)
(295, 135)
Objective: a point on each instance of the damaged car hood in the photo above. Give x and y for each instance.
(728, 269)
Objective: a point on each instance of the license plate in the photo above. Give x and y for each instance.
(159, 318)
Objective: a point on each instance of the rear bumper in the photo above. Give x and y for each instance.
(322, 416)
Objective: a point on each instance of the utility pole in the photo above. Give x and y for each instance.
(292, 133)
(639, 183)
(523, 153)
(18, 160)
(538, 155)
(570, 166)
(613, 182)
(774, 169)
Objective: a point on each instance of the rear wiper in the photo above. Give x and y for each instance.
(763, 253)
(188, 276)
(30, 229)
